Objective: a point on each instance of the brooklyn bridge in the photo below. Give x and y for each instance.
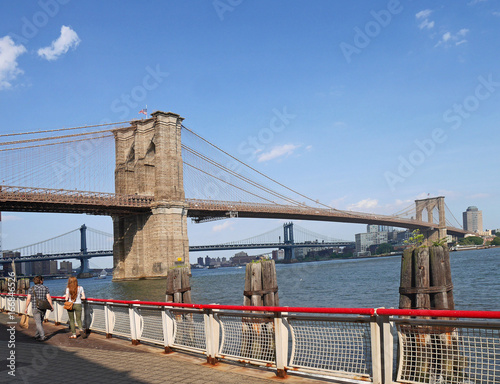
(157, 181)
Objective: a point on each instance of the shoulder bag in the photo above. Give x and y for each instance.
(43, 304)
(68, 305)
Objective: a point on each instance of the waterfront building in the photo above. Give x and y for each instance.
(66, 267)
(473, 220)
(241, 258)
(200, 261)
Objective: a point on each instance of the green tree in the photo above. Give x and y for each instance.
(496, 241)
(472, 240)
(384, 248)
(416, 239)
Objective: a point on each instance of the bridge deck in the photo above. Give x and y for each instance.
(26, 199)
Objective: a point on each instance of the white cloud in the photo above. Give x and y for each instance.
(363, 205)
(11, 218)
(423, 14)
(457, 39)
(68, 39)
(426, 24)
(220, 227)
(283, 150)
(479, 196)
(9, 52)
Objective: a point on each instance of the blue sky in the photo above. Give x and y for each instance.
(385, 101)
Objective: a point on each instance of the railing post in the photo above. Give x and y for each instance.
(376, 350)
(135, 321)
(57, 312)
(281, 342)
(212, 336)
(107, 319)
(168, 330)
(387, 347)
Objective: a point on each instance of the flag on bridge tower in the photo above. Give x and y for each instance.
(144, 111)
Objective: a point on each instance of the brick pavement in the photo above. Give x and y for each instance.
(100, 360)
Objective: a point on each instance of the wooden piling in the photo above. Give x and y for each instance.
(426, 284)
(178, 285)
(261, 288)
(421, 271)
(405, 298)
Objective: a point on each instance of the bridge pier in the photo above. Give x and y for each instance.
(149, 163)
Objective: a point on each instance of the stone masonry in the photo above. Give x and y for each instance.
(149, 163)
(430, 204)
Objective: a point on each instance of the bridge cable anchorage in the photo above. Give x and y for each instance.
(243, 178)
(64, 129)
(262, 174)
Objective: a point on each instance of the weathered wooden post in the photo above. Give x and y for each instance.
(426, 284)
(178, 285)
(261, 288)
(179, 291)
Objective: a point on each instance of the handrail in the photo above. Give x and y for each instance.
(344, 311)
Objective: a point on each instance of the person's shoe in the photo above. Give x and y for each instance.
(84, 335)
(37, 337)
(72, 337)
(41, 338)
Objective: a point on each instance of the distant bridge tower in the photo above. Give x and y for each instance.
(288, 239)
(149, 163)
(84, 261)
(439, 231)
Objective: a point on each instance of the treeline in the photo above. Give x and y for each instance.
(476, 240)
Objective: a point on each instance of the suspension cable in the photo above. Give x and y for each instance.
(64, 129)
(260, 173)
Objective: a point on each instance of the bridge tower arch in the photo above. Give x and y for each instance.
(439, 231)
(149, 163)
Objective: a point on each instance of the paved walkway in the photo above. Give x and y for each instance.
(100, 360)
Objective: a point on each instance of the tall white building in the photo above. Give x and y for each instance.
(473, 220)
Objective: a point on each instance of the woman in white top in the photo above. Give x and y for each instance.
(75, 293)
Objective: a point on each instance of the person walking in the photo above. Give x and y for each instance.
(75, 294)
(37, 293)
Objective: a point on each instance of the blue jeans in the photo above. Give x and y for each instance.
(38, 316)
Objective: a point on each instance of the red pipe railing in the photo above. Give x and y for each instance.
(349, 311)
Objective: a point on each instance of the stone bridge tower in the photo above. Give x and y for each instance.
(149, 163)
(430, 204)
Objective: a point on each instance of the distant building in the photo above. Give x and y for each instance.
(376, 235)
(207, 261)
(200, 261)
(279, 254)
(473, 220)
(241, 258)
(66, 267)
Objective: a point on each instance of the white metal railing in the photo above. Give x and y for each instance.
(366, 345)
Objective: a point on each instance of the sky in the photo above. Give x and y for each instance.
(382, 102)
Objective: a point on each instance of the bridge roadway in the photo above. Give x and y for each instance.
(192, 248)
(25, 199)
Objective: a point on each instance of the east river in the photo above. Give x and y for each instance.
(362, 283)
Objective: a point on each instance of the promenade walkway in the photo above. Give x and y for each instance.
(100, 360)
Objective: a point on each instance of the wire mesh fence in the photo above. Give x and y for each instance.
(248, 338)
(338, 346)
(444, 354)
(353, 346)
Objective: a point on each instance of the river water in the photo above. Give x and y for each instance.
(358, 283)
